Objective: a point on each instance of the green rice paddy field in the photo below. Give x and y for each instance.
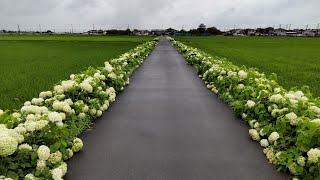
(31, 64)
(296, 60)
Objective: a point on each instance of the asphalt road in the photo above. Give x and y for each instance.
(167, 126)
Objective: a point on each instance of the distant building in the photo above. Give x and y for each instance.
(157, 32)
(251, 32)
(310, 32)
(280, 32)
(93, 32)
(239, 32)
(140, 32)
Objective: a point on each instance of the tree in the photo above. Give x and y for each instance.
(213, 31)
(202, 28)
(128, 32)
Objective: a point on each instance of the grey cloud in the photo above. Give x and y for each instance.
(157, 14)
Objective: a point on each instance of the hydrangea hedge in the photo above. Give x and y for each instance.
(37, 139)
(286, 123)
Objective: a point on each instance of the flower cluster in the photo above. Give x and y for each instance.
(37, 139)
(286, 123)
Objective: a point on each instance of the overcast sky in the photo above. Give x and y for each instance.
(150, 14)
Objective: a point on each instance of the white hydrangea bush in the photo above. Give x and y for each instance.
(37, 139)
(286, 123)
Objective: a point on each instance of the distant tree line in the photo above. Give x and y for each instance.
(202, 30)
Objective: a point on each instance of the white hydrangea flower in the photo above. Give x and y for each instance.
(27, 103)
(41, 124)
(250, 104)
(59, 89)
(93, 112)
(72, 76)
(220, 78)
(108, 67)
(68, 85)
(86, 87)
(256, 125)
(69, 154)
(292, 117)
(273, 137)
(301, 161)
(313, 155)
(264, 143)
(59, 123)
(55, 157)
(242, 74)
(45, 94)
(244, 116)
(292, 168)
(43, 152)
(25, 147)
(262, 133)
(96, 75)
(85, 109)
(254, 134)
(277, 90)
(54, 117)
(112, 76)
(240, 86)
(271, 156)
(315, 121)
(252, 123)
(15, 114)
(30, 126)
(31, 117)
(67, 108)
(104, 107)
(277, 98)
(313, 108)
(57, 174)
(82, 115)
(99, 113)
(77, 145)
(290, 96)
(8, 144)
(20, 130)
(69, 101)
(41, 165)
(304, 99)
(299, 94)
(30, 177)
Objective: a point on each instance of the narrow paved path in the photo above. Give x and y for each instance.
(167, 126)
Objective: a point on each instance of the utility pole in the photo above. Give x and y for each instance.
(234, 27)
(39, 28)
(71, 28)
(307, 27)
(280, 26)
(92, 26)
(318, 26)
(18, 29)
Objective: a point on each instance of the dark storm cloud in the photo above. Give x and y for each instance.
(157, 14)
